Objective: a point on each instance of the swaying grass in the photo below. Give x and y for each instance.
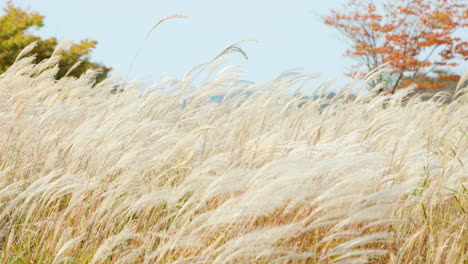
(87, 176)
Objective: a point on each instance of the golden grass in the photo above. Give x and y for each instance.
(262, 177)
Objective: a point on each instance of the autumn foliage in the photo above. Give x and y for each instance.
(15, 34)
(414, 37)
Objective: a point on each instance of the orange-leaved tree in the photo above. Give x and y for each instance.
(414, 37)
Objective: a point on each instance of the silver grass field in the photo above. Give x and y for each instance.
(264, 176)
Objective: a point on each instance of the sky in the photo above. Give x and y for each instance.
(289, 35)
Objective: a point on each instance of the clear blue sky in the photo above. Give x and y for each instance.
(290, 34)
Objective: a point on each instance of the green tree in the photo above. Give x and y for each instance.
(14, 36)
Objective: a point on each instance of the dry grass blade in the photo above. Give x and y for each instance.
(72, 68)
(26, 51)
(234, 47)
(172, 16)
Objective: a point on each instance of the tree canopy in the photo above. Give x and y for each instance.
(15, 26)
(414, 37)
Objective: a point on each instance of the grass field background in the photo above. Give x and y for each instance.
(264, 176)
